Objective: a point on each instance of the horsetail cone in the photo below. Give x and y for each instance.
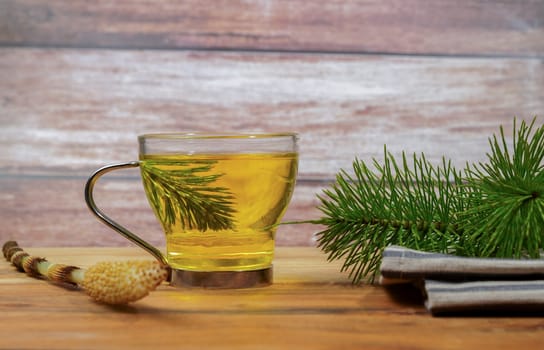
(119, 282)
(122, 282)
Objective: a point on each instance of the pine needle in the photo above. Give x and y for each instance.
(185, 195)
(505, 216)
(489, 209)
(413, 205)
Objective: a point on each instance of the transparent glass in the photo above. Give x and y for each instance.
(218, 197)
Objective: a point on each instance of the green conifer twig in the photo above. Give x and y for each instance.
(505, 215)
(186, 196)
(490, 209)
(390, 204)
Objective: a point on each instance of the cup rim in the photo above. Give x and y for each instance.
(216, 135)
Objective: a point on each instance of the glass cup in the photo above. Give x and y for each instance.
(218, 198)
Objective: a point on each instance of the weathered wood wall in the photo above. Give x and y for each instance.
(79, 80)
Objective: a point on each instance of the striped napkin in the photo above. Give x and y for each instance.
(453, 284)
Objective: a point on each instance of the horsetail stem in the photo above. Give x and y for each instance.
(106, 282)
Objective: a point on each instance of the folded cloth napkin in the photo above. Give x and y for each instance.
(453, 284)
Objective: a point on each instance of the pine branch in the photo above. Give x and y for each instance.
(490, 209)
(185, 195)
(506, 206)
(413, 205)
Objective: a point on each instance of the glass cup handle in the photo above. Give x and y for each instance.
(109, 222)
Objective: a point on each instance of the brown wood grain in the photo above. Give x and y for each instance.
(71, 111)
(311, 305)
(468, 27)
(51, 211)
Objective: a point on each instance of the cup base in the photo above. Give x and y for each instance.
(222, 279)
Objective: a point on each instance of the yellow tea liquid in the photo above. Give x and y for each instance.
(260, 185)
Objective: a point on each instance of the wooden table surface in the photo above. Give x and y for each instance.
(311, 305)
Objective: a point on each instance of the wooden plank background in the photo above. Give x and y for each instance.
(80, 80)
